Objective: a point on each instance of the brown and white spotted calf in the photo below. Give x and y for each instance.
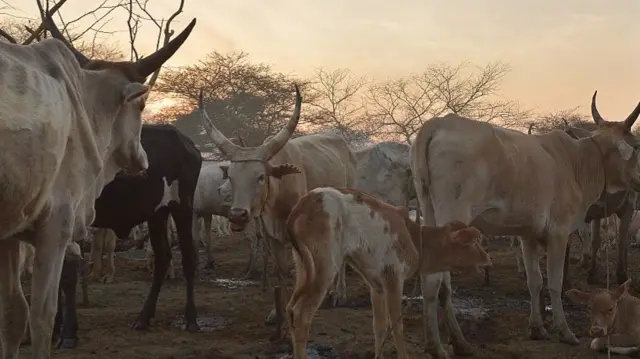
(614, 313)
(331, 226)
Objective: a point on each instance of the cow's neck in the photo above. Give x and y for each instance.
(589, 170)
(96, 138)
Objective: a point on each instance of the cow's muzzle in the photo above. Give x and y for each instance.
(238, 219)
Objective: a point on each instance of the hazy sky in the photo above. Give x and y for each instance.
(559, 51)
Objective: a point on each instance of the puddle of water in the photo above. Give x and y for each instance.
(466, 307)
(207, 324)
(232, 283)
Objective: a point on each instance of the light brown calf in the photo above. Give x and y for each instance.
(614, 313)
(331, 226)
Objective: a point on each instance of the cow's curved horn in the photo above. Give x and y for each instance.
(148, 65)
(221, 141)
(633, 116)
(53, 29)
(594, 111)
(530, 128)
(275, 144)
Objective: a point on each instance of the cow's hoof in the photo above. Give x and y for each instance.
(438, 352)
(66, 343)
(538, 333)
(192, 327)
(271, 318)
(338, 301)
(140, 324)
(252, 274)
(463, 349)
(569, 338)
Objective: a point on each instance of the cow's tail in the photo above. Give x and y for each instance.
(421, 178)
(304, 284)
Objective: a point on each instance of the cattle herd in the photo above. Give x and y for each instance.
(76, 159)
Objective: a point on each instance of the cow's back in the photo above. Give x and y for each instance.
(326, 160)
(496, 173)
(384, 171)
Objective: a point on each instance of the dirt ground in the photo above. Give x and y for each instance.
(494, 319)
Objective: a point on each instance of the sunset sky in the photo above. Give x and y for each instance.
(559, 51)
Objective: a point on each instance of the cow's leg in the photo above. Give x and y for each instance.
(393, 298)
(460, 345)
(279, 253)
(209, 238)
(110, 250)
(380, 319)
(515, 242)
(97, 247)
(50, 242)
(68, 284)
(264, 283)
(303, 305)
(596, 239)
(197, 239)
(566, 278)
(182, 217)
(339, 292)
(556, 248)
(486, 269)
(587, 243)
(84, 273)
(162, 256)
(14, 310)
(531, 258)
(252, 271)
(430, 285)
(625, 216)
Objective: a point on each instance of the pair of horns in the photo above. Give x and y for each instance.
(597, 118)
(143, 67)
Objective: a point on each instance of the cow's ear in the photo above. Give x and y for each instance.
(577, 296)
(282, 170)
(134, 92)
(225, 171)
(466, 236)
(622, 290)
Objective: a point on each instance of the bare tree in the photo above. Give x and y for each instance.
(558, 120)
(401, 106)
(336, 102)
(248, 99)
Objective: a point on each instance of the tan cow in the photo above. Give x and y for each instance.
(104, 242)
(505, 182)
(333, 226)
(613, 313)
(68, 124)
(268, 180)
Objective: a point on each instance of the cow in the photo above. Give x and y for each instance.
(209, 204)
(614, 317)
(69, 124)
(538, 187)
(151, 261)
(621, 204)
(265, 182)
(384, 171)
(330, 227)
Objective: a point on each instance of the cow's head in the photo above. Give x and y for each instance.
(617, 147)
(249, 171)
(603, 306)
(382, 177)
(117, 96)
(452, 246)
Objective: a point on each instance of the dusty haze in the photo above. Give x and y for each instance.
(559, 51)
